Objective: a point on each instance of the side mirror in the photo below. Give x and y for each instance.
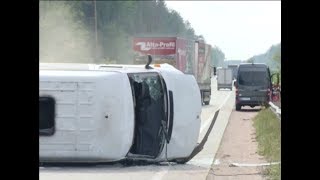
(235, 83)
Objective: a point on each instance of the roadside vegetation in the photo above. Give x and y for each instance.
(102, 31)
(268, 134)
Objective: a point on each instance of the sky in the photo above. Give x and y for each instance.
(241, 29)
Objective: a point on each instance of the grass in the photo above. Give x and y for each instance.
(268, 132)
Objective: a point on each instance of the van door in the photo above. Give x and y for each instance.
(186, 101)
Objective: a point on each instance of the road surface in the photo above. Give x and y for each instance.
(196, 168)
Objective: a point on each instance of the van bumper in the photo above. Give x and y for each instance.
(255, 102)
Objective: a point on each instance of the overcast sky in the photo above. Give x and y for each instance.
(241, 29)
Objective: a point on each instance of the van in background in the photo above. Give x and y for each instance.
(253, 85)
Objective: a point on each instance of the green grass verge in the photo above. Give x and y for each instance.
(268, 134)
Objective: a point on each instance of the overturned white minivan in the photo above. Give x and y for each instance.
(107, 113)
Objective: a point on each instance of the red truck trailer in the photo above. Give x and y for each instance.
(189, 56)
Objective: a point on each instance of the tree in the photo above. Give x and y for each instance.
(251, 60)
(117, 23)
(217, 57)
(277, 58)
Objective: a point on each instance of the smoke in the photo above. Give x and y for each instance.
(62, 38)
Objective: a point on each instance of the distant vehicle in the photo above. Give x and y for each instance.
(214, 71)
(234, 68)
(188, 56)
(224, 79)
(253, 85)
(106, 113)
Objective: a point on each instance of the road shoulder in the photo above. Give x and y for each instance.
(238, 145)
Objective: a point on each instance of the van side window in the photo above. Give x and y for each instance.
(46, 116)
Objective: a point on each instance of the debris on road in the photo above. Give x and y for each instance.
(252, 165)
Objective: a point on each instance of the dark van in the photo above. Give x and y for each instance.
(253, 85)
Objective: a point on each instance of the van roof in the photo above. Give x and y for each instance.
(121, 68)
(232, 65)
(253, 64)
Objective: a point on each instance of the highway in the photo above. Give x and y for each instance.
(196, 168)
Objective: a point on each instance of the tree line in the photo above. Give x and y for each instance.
(68, 29)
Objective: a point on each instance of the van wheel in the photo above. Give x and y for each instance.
(238, 107)
(207, 102)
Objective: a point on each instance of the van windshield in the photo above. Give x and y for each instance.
(253, 77)
(149, 95)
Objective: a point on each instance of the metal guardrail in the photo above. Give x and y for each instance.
(276, 110)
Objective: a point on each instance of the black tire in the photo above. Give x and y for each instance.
(207, 102)
(180, 161)
(238, 107)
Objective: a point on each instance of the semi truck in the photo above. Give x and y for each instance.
(188, 56)
(107, 113)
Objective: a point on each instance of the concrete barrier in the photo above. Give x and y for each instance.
(275, 109)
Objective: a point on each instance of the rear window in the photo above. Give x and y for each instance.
(46, 116)
(253, 76)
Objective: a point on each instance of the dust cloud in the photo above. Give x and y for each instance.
(63, 38)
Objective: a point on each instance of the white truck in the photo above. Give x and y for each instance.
(224, 78)
(107, 113)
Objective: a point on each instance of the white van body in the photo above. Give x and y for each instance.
(94, 114)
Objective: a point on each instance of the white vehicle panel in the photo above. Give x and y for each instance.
(187, 110)
(82, 105)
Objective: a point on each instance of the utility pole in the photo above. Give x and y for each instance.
(95, 29)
